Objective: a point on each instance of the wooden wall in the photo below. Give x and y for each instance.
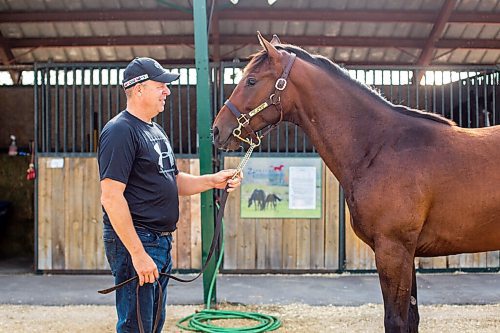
(282, 244)
(69, 230)
(69, 212)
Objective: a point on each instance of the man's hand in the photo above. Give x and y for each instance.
(224, 177)
(145, 268)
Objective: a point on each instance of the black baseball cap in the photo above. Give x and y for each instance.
(143, 69)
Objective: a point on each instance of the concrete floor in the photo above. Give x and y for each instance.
(18, 287)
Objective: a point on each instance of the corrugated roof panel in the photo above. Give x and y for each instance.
(489, 32)
(332, 29)
(454, 30)
(475, 56)
(359, 54)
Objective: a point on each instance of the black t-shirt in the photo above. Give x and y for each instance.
(139, 155)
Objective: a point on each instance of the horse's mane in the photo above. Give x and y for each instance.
(330, 66)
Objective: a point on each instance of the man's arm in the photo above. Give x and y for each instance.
(188, 184)
(116, 207)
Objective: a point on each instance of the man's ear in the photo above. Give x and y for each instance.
(272, 52)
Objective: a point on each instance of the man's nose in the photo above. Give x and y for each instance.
(166, 91)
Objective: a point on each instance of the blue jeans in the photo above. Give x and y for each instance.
(158, 247)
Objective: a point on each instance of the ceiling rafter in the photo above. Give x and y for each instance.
(436, 33)
(303, 41)
(7, 58)
(424, 16)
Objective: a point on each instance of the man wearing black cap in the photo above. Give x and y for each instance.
(140, 187)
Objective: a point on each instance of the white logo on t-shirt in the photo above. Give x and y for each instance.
(164, 154)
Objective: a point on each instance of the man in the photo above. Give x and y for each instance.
(140, 187)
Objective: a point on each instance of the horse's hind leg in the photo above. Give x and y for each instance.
(394, 265)
(413, 316)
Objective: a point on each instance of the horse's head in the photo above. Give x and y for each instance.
(258, 101)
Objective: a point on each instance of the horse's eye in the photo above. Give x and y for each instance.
(251, 81)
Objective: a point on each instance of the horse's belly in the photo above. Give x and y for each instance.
(460, 231)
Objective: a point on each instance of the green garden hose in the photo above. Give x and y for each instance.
(202, 321)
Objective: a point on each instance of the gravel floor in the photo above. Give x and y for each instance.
(295, 318)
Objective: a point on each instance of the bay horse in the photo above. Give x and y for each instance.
(415, 183)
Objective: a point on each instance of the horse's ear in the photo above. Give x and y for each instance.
(275, 40)
(272, 52)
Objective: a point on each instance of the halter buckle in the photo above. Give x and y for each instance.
(280, 84)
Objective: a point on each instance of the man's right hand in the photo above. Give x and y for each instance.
(145, 268)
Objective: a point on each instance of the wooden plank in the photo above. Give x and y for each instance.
(57, 200)
(195, 220)
(331, 219)
(454, 261)
(44, 216)
(358, 254)
(246, 244)
(467, 260)
(184, 224)
(232, 221)
(493, 259)
(289, 244)
(276, 243)
(73, 214)
(91, 227)
(317, 241)
(303, 243)
(263, 245)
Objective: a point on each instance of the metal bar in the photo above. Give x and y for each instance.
(118, 89)
(91, 111)
(495, 77)
(485, 100)
(205, 142)
(468, 102)
(451, 97)
(442, 94)
(476, 97)
(314, 41)
(47, 113)
(36, 108)
(56, 115)
(99, 107)
(179, 113)
(73, 114)
(269, 14)
(82, 112)
(188, 108)
(65, 112)
(109, 96)
(460, 83)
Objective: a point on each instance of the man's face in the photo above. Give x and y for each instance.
(153, 95)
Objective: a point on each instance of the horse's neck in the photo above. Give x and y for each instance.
(343, 122)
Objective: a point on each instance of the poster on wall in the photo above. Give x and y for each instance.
(282, 188)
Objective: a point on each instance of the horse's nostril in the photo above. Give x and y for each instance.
(215, 131)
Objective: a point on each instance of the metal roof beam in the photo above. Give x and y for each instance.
(436, 33)
(7, 58)
(425, 16)
(251, 40)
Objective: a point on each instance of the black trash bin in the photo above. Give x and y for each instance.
(4, 210)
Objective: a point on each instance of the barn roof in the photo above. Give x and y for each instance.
(374, 32)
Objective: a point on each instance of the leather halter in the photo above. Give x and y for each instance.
(274, 99)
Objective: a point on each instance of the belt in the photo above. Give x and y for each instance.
(165, 233)
(159, 233)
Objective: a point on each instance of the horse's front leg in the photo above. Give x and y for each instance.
(413, 316)
(394, 259)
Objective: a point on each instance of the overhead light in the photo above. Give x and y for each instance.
(271, 2)
(234, 1)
